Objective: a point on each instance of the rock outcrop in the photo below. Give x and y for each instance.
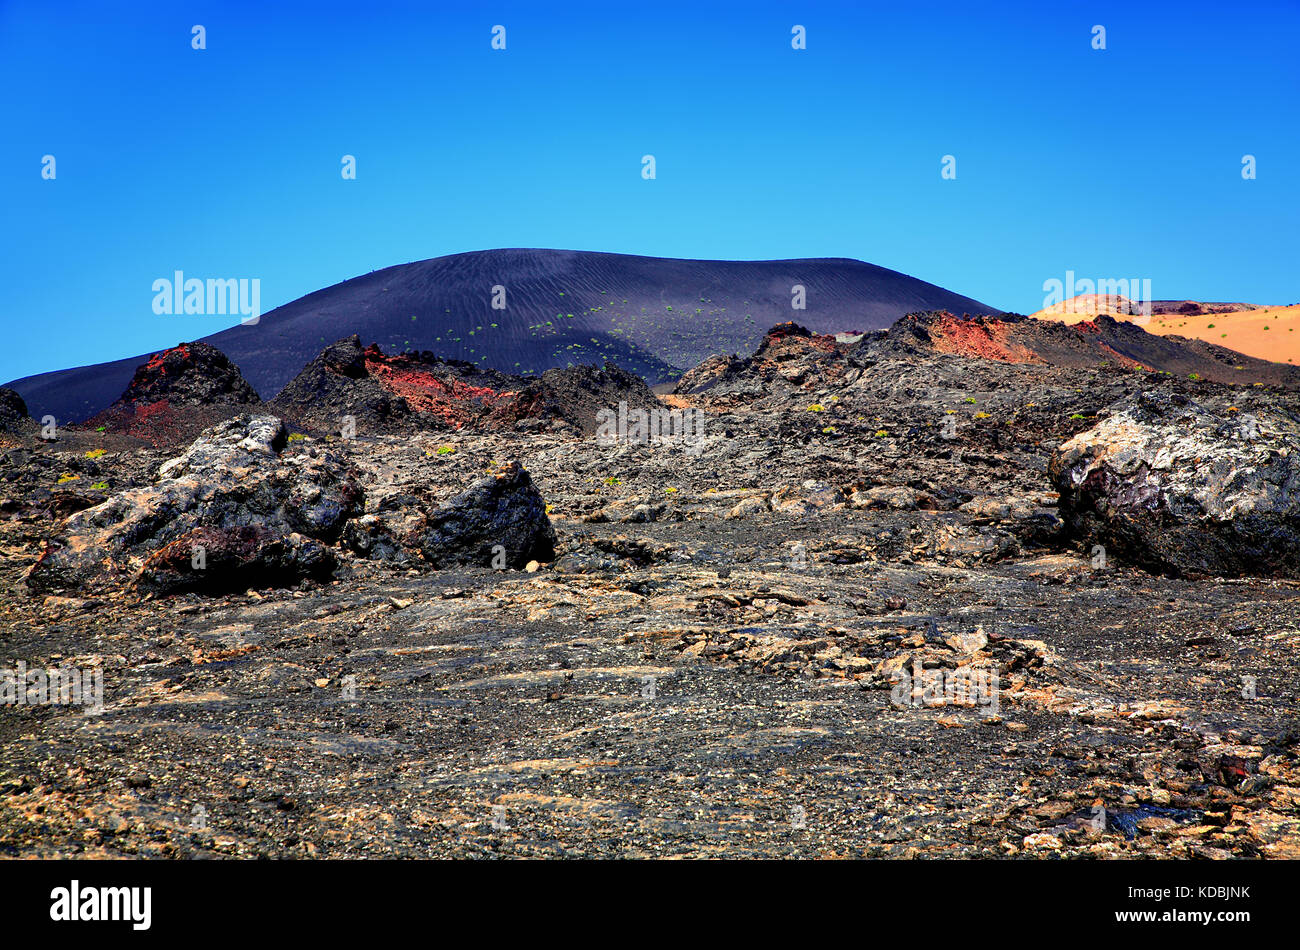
(13, 413)
(191, 374)
(408, 392)
(1177, 488)
(177, 394)
(336, 385)
(1102, 343)
(234, 510)
(571, 397)
(788, 359)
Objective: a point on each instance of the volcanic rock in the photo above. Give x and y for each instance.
(13, 413)
(242, 443)
(195, 374)
(502, 514)
(788, 358)
(377, 538)
(418, 391)
(572, 397)
(233, 559)
(176, 394)
(233, 490)
(1175, 487)
(338, 384)
(1103, 343)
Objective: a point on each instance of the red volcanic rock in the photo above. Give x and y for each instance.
(790, 359)
(410, 391)
(783, 330)
(788, 339)
(1100, 343)
(454, 392)
(337, 387)
(985, 339)
(177, 393)
(196, 374)
(381, 393)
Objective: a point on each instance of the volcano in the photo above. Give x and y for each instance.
(656, 317)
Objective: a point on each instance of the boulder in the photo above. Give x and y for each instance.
(235, 510)
(1183, 490)
(504, 509)
(233, 559)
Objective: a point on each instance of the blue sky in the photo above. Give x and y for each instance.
(225, 162)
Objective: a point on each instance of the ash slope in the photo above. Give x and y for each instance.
(652, 316)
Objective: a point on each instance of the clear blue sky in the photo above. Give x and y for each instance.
(225, 162)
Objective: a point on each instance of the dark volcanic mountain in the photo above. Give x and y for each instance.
(656, 317)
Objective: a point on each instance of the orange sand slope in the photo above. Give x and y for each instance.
(1267, 333)
(1088, 307)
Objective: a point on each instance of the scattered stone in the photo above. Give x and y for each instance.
(1043, 841)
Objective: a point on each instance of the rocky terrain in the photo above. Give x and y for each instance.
(959, 588)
